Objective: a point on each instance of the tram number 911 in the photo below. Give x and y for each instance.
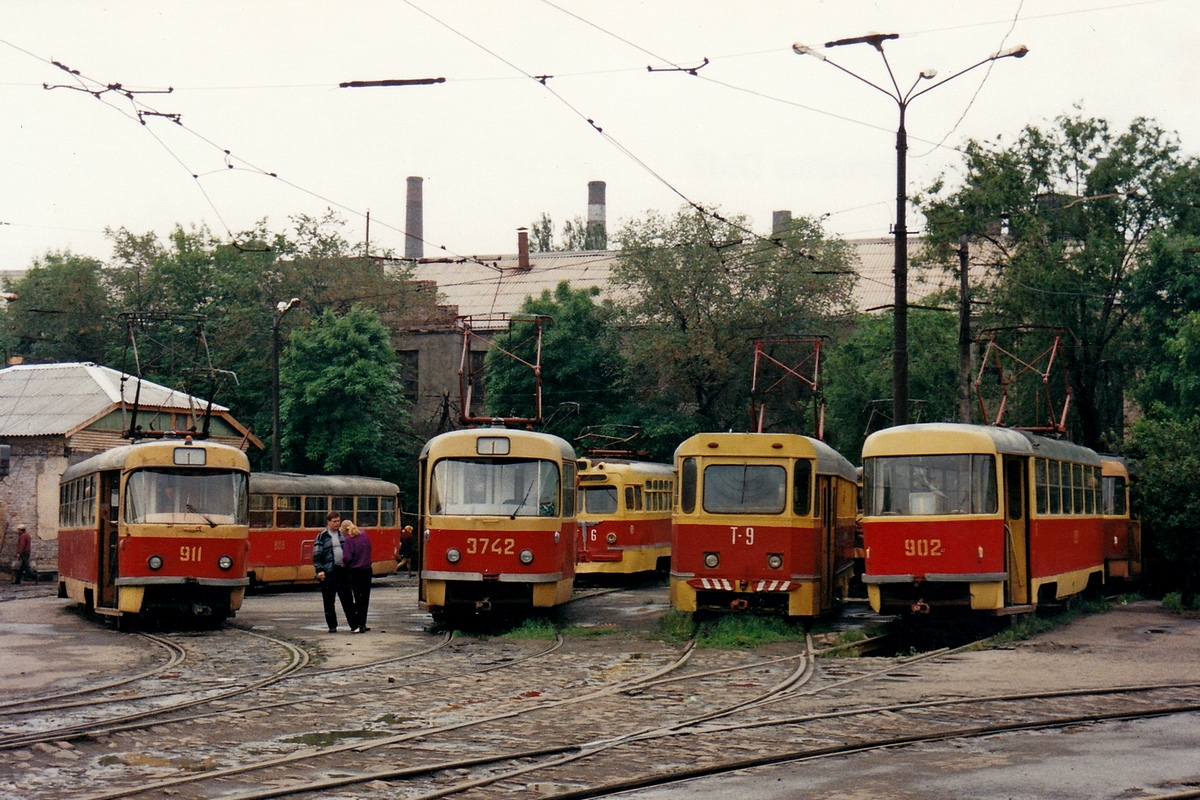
(190, 553)
(484, 544)
(923, 547)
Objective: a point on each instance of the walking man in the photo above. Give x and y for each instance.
(24, 552)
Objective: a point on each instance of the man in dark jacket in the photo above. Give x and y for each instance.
(24, 552)
(327, 561)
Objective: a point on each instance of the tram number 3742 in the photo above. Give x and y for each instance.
(923, 547)
(484, 544)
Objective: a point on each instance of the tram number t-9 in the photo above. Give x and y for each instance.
(745, 535)
(189, 553)
(484, 544)
(923, 547)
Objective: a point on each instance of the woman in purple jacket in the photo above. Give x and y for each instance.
(356, 556)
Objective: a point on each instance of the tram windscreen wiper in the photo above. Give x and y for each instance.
(523, 500)
(194, 510)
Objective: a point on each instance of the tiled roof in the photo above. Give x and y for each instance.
(498, 286)
(58, 399)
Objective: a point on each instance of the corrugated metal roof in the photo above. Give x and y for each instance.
(497, 286)
(57, 399)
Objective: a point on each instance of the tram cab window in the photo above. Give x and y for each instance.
(930, 485)
(495, 487)
(687, 486)
(599, 500)
(745, 489)
(802, 488)
(175, 496)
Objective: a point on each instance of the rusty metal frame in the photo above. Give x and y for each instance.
(757, 395)
(1049, 357)
(470, 325)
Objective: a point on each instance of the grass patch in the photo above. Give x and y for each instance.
(746, 631)
(533, 628)
(1032, 625)
(589, 630)
(675, 627)
(1174, 602)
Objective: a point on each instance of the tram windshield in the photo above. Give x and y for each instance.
(494, 488)
(598, 500)
(930, 485)
(195, 497)
(745, 489)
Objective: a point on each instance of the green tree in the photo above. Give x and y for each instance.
(582, 367)
(342, 406)
(695, 292)
(1068, 213)
(575, 235)
(62, 311)
(859, 372)
(1167, 496)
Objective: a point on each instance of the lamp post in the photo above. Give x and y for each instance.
(902, 98)
(281, 308)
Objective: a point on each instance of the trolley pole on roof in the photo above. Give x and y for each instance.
(902, 98)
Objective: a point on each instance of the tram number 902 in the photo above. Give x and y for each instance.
(484, 544)
(923, 547)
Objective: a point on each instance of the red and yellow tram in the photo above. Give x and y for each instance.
(763, 521)
(624, 516)
(497, 522)
(287, 511)
(1122, 535)
(977, 517)
(156, 528)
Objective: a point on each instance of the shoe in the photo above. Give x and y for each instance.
(333, 630)
(363, 629)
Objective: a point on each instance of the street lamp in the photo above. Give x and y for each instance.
(281, 308)
(900, 313)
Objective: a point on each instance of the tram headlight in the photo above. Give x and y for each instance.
(611, 538)
(154, 562)
(711, 560)
(526, 556)
(774, 561)
(453, 556)
(225, 563)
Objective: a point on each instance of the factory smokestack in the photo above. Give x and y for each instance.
(597, 231)
(414, 225)
(523, 250)
(780, 221)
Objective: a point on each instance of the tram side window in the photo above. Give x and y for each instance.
(633, 498)
(262, 511)
(1042, 488)
(1054, 481)
(745, 489)
(316, 506)
(366, 515)
(342, 505)
(1114, 496)
(1089, 490)
(569, 484)
(287, 511)
(387, 512)
(89, 500)
(802, 488)
(687, 486)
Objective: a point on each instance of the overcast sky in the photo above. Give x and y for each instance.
(757, 129)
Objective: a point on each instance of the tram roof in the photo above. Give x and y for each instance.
(829, 461)
(954, 438)
(459, 440)
(296, 483)
(624, 465)
(117, 457)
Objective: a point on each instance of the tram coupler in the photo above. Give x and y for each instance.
(920, 607)
(484, 605)
(739, 604)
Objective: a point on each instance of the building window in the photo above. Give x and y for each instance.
(409, 364)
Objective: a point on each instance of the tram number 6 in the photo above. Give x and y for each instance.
(189, 552)
(484, 544)
(923, 547)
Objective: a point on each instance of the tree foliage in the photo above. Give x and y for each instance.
(342, 409)
(62, 311)
(694, 294)
(1068, 213)
(583, 371)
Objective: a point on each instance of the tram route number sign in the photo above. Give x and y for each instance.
(923, 547)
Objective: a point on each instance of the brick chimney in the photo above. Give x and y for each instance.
(523, 250)
(414, 223)
(780, 221)
(597, 230)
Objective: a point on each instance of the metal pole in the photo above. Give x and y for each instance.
(275, 461)
(964, 333)
(900, 307)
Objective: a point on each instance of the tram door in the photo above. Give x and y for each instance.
(110, 494)
(1016, 518)
(827, 511)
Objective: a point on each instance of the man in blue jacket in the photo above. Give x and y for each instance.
(327, 561)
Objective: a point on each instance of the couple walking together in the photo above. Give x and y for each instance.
(342, 559)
